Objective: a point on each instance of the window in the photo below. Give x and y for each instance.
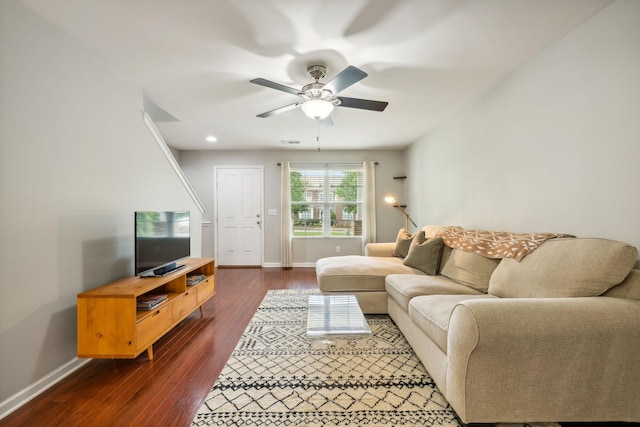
(327, 200)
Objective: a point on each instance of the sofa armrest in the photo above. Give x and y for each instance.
(561, 359)
(379, 249)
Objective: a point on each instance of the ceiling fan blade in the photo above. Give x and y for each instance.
(279, 110)
(346, 78)
(277, 86)
(363, 104)
(326, 122)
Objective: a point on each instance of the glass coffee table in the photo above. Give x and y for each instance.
(335, 315)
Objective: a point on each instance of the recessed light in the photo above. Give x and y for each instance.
(211, 138)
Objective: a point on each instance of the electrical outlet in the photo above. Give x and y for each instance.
(337, 249)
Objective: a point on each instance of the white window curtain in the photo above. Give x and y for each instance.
(369, 226)
(285, 213)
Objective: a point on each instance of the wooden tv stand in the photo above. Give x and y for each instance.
(110, 325)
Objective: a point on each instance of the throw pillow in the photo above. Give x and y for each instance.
(470, 269)
(403, 242)
(425, 254)
(565, 268)
(431, 231)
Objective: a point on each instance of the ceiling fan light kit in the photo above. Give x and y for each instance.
(319, 98)
(317, 109)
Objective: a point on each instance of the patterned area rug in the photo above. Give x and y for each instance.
(276, 376)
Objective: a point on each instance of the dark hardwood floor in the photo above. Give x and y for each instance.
(168, 390)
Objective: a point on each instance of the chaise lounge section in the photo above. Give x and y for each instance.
(546, 333)
(364, 276)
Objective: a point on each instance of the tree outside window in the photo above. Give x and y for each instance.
(298, 191)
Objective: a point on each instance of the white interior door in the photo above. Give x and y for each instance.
(239, 216)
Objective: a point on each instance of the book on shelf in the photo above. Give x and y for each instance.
(149, 301)
(148, 308)
(195, 279)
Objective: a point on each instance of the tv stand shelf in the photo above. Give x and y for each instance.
(110, 325)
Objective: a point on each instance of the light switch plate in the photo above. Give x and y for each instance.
(272, 212)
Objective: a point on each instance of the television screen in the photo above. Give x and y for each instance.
(161, 239)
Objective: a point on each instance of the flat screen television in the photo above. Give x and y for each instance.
(161, 239)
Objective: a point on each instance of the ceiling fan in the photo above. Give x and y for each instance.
(319, 99)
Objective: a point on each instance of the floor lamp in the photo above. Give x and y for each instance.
(395, 204)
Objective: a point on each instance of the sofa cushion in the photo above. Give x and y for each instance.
(403, 242)
(424, 254)
(431, 314)
(469, 269)
(629, 288)
(402, 287)
(565, 268)
(358, 273)
(446, 252)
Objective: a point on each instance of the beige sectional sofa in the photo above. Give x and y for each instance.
(554, 336)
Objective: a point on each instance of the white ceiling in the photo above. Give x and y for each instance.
(194, 59)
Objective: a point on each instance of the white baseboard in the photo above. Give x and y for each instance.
(33, 390)
(297, 264)
(304, 264)
(271, 265)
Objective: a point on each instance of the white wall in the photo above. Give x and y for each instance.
(76, 161)
(555, 147)
(198, 166)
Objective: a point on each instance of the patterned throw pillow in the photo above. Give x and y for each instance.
(403, 242)
(425, 254)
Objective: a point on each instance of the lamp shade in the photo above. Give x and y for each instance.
(317, 109)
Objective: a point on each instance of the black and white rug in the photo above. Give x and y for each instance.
(276, 376)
